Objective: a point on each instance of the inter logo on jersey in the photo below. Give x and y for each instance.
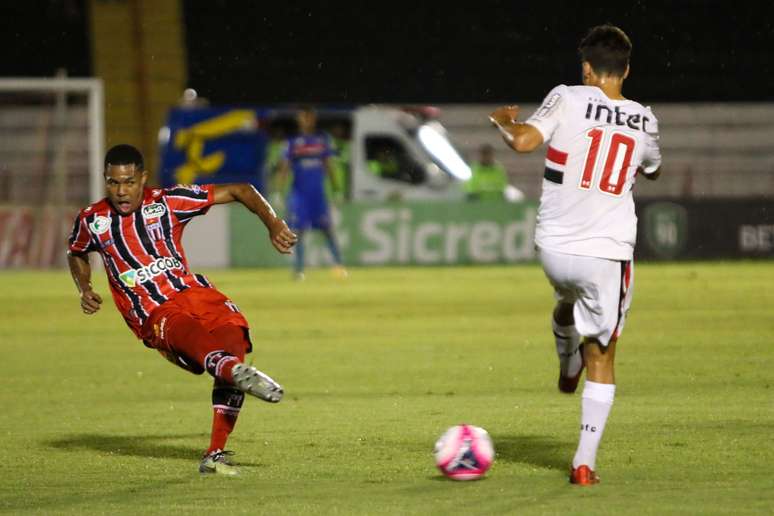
(602, 112)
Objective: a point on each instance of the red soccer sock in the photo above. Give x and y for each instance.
(226, 403)
(220, 364)
(223, 423)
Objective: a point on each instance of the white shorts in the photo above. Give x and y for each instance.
(601, 290)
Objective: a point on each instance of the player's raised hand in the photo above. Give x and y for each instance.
(504, 115)
(90, 301)
(281, 237)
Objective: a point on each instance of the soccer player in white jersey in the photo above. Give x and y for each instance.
(598, 141)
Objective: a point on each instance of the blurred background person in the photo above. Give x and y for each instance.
(274, 155)
(490, 180)
(308, 156)
(385, 165)
(337, 185)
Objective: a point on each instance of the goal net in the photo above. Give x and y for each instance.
(51, 147)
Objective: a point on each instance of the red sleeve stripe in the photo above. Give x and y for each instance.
(558, 157)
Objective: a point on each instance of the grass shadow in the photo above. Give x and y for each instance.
(538, 450)
(155, 446)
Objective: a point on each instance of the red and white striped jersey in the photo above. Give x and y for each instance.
(595, 146)
(142, 251)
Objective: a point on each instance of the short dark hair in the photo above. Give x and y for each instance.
(124, 154)
(607, 49)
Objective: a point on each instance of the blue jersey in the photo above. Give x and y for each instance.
(307, 154)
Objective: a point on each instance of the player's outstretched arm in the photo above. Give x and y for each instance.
(281, 237)
(519, 136)
(81, 273)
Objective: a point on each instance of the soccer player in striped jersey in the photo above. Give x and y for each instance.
(598, 142)
(137, 231)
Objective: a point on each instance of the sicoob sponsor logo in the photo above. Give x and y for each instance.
(133, 277)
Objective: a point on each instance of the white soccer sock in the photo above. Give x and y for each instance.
(595, 407)
(567, 344)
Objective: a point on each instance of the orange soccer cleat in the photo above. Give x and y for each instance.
(583, 476)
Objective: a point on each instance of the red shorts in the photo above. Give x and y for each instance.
(208, 306)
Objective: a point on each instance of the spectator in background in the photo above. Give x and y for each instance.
(385, 164)
(490, 181)
(337, 187)
(274, 150)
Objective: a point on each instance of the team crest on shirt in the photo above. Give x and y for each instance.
(153, 211)
(99, 225)
(155, 230)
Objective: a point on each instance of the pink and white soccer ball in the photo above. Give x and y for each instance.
(464, 452)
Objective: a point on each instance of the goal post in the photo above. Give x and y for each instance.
(94, 92)
(52, 133)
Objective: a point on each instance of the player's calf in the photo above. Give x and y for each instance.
(569, 353)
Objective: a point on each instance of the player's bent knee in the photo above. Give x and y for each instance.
(181, 361)
(563, 314)
(233, 339)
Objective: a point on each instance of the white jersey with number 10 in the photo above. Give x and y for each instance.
(595, 146)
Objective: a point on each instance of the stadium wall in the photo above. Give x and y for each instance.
(714, 198)
(436, 233)
(687, 229)
(709, 149)
(446, 233)
(483, 233)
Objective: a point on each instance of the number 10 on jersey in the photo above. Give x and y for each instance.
(618, 158)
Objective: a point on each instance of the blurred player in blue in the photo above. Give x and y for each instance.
(308, 155)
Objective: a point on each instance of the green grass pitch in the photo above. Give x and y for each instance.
(375, 368)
